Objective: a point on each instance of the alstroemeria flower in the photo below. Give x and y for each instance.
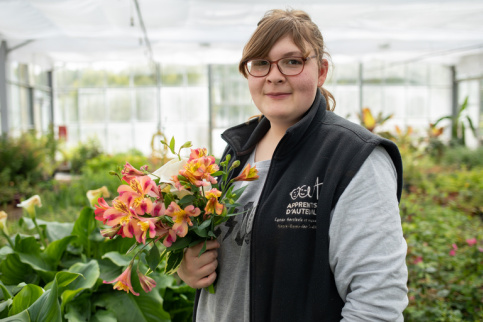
(168, 170)
(139, 187)
(198, 153)
(123, 282)
(29, 205)
(452, 252)
(248, 174)
(111, 232)
(181, 217)
(213, 206)
(94, 195)
(129, 172)
(147, 283)
(170, 238)
(121, 211)
(367, 119)
(101, 209)
(144, 227)
(3, 221)
(199, 170)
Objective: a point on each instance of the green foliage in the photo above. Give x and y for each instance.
(83, 152)
(64, 281)
(459, 123)
(462, 156)
(24, 162)
(441, 217)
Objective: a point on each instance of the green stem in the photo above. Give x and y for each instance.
(8, 239)
(41, 236)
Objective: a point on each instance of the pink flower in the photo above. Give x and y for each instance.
(123, 282)
(170, 238)
(147, 283)
(181, 217)
(471, 241)
(100, 209)
(418, 260)
(453, 251)
(129, 172)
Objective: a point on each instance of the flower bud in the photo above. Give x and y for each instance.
(94, 195)
(3, 221)
(235, 164)
(29, 205)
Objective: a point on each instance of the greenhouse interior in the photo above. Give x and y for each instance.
(111, 79)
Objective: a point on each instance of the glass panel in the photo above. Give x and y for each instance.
(91, 106)
(146, 105)
(439, 75)
(66, 76)
(144, 75)
(373, 72)
(346, 74)
(395, 74)
(119, 105)
(418, 73)
(172, 75)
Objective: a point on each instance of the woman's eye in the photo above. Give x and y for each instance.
(259, 63)
(293, 61)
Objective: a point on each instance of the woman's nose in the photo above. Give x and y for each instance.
(275, 75)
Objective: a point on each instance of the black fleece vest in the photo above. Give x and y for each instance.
(290, 276)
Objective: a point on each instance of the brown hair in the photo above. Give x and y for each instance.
(279, 23)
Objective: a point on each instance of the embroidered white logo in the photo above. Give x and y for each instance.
(301, 214)
(306, 191)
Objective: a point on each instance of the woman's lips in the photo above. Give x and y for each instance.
(277, 95)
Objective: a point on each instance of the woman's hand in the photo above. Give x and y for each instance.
(200, 272)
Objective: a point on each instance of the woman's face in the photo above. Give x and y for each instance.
(284, 99)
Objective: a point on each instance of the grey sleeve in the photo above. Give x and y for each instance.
(367, 251)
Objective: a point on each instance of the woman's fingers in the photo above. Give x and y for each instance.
(200, 271)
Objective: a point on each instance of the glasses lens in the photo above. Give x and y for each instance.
(291, 66)
(258, 67)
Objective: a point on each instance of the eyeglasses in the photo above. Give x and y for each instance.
(290, 66)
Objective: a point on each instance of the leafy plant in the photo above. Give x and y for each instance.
(459, 123)
(64, 280)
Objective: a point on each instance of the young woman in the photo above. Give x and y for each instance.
(319, 235)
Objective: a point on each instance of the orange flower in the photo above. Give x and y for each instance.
(199, 170)
(123, 282)
(248, 174)
(129, 172)
(213, 206)
(181, 217)
(147, 283)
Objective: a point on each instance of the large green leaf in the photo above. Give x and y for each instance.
(109, 270)
(15, 272)
(118, 259)
(5, 292)
(29, 252)
(89, 274)
(127, 307)
(55, 249)
(21, 317)
(84, 226)
(56, 230)
(47, 307)
(26, 297)
(4, 308)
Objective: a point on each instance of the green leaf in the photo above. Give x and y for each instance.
(153, 258)
(180, 243)
(171, 145)
(6, 293)
(118, 259)
(205, 224)
(104, 316)
(26, 297)
(84, 225)
(15, 272)
(203, 249)
(57, 230)
(89, 272)
(188, 199)
(21, 317)
(173, 261)
(4, 308)
(127, 307)
(109, 270)
(55, 250)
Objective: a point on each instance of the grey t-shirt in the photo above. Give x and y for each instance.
(366, 254)
(231, 299)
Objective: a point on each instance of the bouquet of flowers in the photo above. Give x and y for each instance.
(180, 204)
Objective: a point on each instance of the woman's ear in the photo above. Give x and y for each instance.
(324, 68)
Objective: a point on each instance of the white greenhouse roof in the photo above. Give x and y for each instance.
(214, 31)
